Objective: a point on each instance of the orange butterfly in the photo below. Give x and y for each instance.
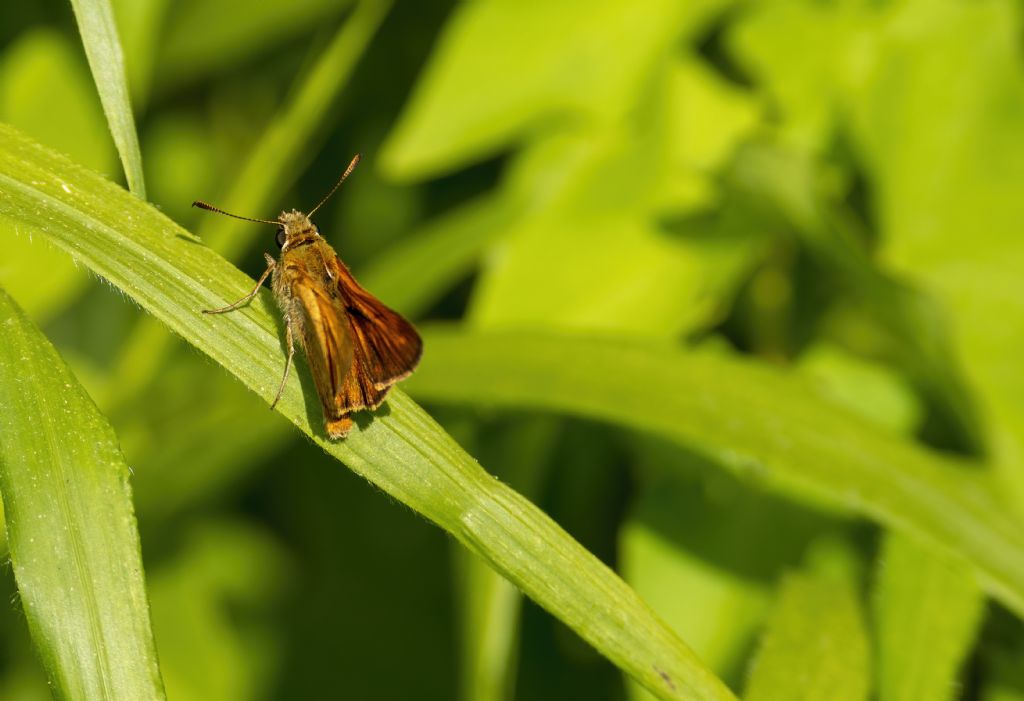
(355, 346)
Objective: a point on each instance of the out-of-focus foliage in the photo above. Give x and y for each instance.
(831, 188)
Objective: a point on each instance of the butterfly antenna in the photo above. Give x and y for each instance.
(348, 171)
(209, 207)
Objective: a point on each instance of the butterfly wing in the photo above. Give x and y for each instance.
(386, 347)
(323, 330)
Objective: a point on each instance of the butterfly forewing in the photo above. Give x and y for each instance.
(325, 337)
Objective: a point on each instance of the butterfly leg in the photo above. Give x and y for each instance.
(287, 363)
(243, 300)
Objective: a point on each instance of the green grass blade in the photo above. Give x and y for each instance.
(103, 49)
(71, 525)
(928, 609)
(815, 647)
(403, 451)
(768, 428)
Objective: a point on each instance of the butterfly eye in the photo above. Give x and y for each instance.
(280, 238)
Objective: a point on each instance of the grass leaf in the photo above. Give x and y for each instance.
(103, 49)
(766, 427)
(402, 450)
(71, 526)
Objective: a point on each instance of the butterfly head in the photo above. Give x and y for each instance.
(293, 228)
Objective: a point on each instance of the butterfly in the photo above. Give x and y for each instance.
(355, 346)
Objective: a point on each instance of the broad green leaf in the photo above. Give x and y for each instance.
(71, 525)
(755, 421)
(628, 275)
(815, 646)
(772, 42)
(484, 87)
(706, 120)
(401, 449)
(521, 289)
(103, 49)
(928, 609)
(596, 196)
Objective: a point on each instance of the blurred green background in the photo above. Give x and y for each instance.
(828, 187)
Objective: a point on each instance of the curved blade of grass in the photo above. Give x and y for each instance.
(768, 428)
(106, 60)
(402, 450)
(71, 526)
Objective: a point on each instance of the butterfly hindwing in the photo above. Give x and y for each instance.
(386, 347)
